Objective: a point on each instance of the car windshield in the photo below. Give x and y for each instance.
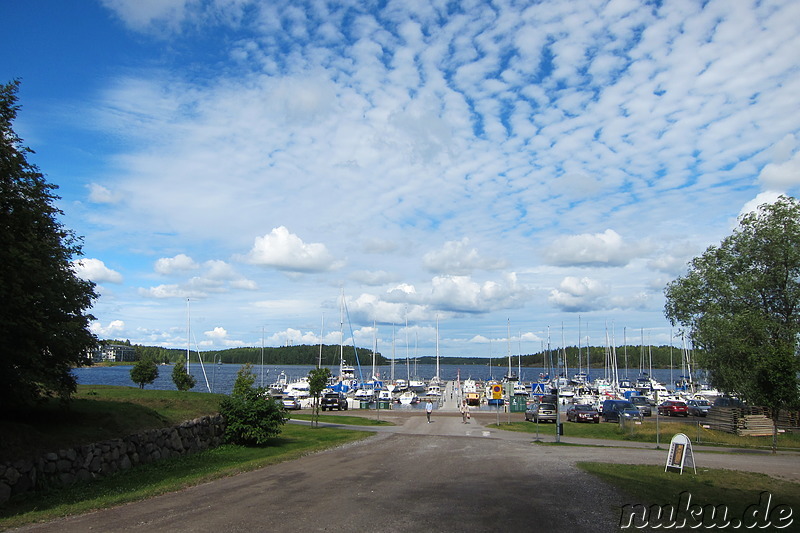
(702, 402)
(547, 406)
(584, 408)
(627, 405)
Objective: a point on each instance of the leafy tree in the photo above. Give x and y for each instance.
(317, 381)
(252, 416)
(245, 379)
(144, 372)
(181, 378)
(43, 321)
(740, 302)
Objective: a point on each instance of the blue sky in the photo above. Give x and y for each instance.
(529, 167)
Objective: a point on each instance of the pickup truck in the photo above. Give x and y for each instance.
(333, 400)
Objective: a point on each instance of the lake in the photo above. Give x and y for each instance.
(220, 378)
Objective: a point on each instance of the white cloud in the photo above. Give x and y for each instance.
(782, 176)
(579, 294)
(461, 294)
(458, 258)
(599, 249)
(140, 14)
(767, 197)
(286, 251)
(101, 195)
(171, 265)
(172, 291)
(96, 270)
(115, 327)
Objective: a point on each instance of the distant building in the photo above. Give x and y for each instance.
(118, 353)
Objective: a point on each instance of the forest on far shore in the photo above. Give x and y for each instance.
(636, 357)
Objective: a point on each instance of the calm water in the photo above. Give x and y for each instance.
(220, 378)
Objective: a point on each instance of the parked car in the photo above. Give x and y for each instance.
(583, 413)
(541, 412)
(333, 400)
(643, 404)
(698, 407)
(290, 402)
(616, 410)
(673, 408)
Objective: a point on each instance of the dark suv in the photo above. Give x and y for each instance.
(615, 410)
(334, 400)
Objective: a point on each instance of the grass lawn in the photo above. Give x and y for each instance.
(649, 485)
(343, 419)
(646, 432)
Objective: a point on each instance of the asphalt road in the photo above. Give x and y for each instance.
(417, 477)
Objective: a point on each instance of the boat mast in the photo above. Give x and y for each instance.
(408, 366)
(262, 356)
(508, 344)
(341, 334)
(321, 339)
(188, 335)
(437, 348)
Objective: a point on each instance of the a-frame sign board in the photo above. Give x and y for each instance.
(680, 454)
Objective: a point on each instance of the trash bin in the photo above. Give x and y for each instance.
(364, 404)
(384, 405)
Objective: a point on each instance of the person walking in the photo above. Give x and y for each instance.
(464, 411)
(428, 410)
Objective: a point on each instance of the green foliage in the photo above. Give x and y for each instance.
(245, 379)
(181, 378)
(144, 372)
(741, 303)
(43, 317)
(252, 415)
(317, 381)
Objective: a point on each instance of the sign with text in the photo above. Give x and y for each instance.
(680, 454)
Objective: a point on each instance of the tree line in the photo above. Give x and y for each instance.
(632, 357)
(303, 354)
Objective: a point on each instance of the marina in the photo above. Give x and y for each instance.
(484, 393)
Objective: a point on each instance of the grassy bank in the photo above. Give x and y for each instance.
(104, 412)
(648, 485)
(99, 413)
(174, 474)
(646, 432)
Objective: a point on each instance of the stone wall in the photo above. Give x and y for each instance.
(83, 463)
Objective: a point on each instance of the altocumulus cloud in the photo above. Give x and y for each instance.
(458, 258)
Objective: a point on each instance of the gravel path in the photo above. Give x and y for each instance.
(417, 477)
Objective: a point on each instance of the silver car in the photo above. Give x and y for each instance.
(698, 407)
(541, 412)
(643, 404)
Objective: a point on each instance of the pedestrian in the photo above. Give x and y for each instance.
(428, 410)
(464, 411)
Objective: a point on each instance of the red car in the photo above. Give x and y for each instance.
(673, 408)
(583, 413)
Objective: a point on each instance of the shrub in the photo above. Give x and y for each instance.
(252, 415)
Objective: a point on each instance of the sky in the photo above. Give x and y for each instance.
(511, 174)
